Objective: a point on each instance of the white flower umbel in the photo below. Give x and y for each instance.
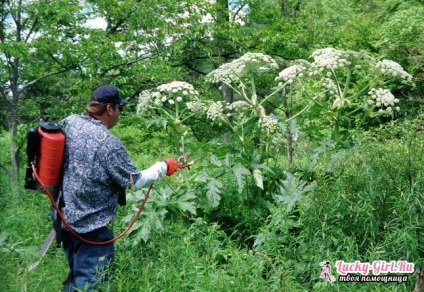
(177, 99)
(268, 124)
(392, 69)
(177, 90)
(382, 100)
(234, 71)
(329, 59)
(237, 110)
(145, 101)
(329, 86)
(291, 73)
(195, 106)
(240, 75)
(217, 111)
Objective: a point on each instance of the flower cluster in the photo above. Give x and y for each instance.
(195, 106)
(268, 124)
(221, 111)
(291, 73)
(176, 91)
(217, 111)
(234, 71)
(328, 58)
(239, 106)
(173, 93)
(145, 101)
(392, 69)
(383, 99)
(329, 86)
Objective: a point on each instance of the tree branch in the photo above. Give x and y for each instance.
(31, 30)
(45, 76)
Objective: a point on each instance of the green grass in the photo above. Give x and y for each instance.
(25, 224)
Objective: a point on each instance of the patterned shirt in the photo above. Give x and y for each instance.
(96, 168)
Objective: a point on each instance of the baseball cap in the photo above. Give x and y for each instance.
(107, 94)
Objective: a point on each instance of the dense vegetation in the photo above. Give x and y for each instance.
(303, 119)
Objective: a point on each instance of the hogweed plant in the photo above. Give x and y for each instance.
(258, 133)
(176, 102)
(348, 82)
(338, 84)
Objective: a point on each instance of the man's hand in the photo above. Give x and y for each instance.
(172, 165)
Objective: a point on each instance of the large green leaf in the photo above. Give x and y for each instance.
(240, 172)
(186, 203)
(215, 160)
(213, 191)
(292, 190)
(257, 175)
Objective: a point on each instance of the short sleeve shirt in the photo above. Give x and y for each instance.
(96, 169)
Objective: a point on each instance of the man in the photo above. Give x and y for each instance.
(96, 172)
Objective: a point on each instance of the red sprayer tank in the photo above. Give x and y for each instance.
(52, 145)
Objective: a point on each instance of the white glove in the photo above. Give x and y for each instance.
(151, 174)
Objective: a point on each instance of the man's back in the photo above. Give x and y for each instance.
(96, 168)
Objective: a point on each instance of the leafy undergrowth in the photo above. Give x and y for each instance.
(360, 204)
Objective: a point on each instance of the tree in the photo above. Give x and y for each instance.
(36, 43)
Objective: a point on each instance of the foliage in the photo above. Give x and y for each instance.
(249, 163)
(366, 206)
(401, 36)
(207, 259)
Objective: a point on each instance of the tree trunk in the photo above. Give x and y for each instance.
(12, 105)
(13, 119)
(12, 125)
(14, 151)
(227, 96)
(13, 130)
(223, 18)
(223, 13)
(289, 136)
(284, 8)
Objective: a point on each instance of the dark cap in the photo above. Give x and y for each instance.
(107, 94)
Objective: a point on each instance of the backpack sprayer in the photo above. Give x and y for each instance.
(45, 148)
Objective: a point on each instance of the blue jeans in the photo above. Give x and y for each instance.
(89, 265)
